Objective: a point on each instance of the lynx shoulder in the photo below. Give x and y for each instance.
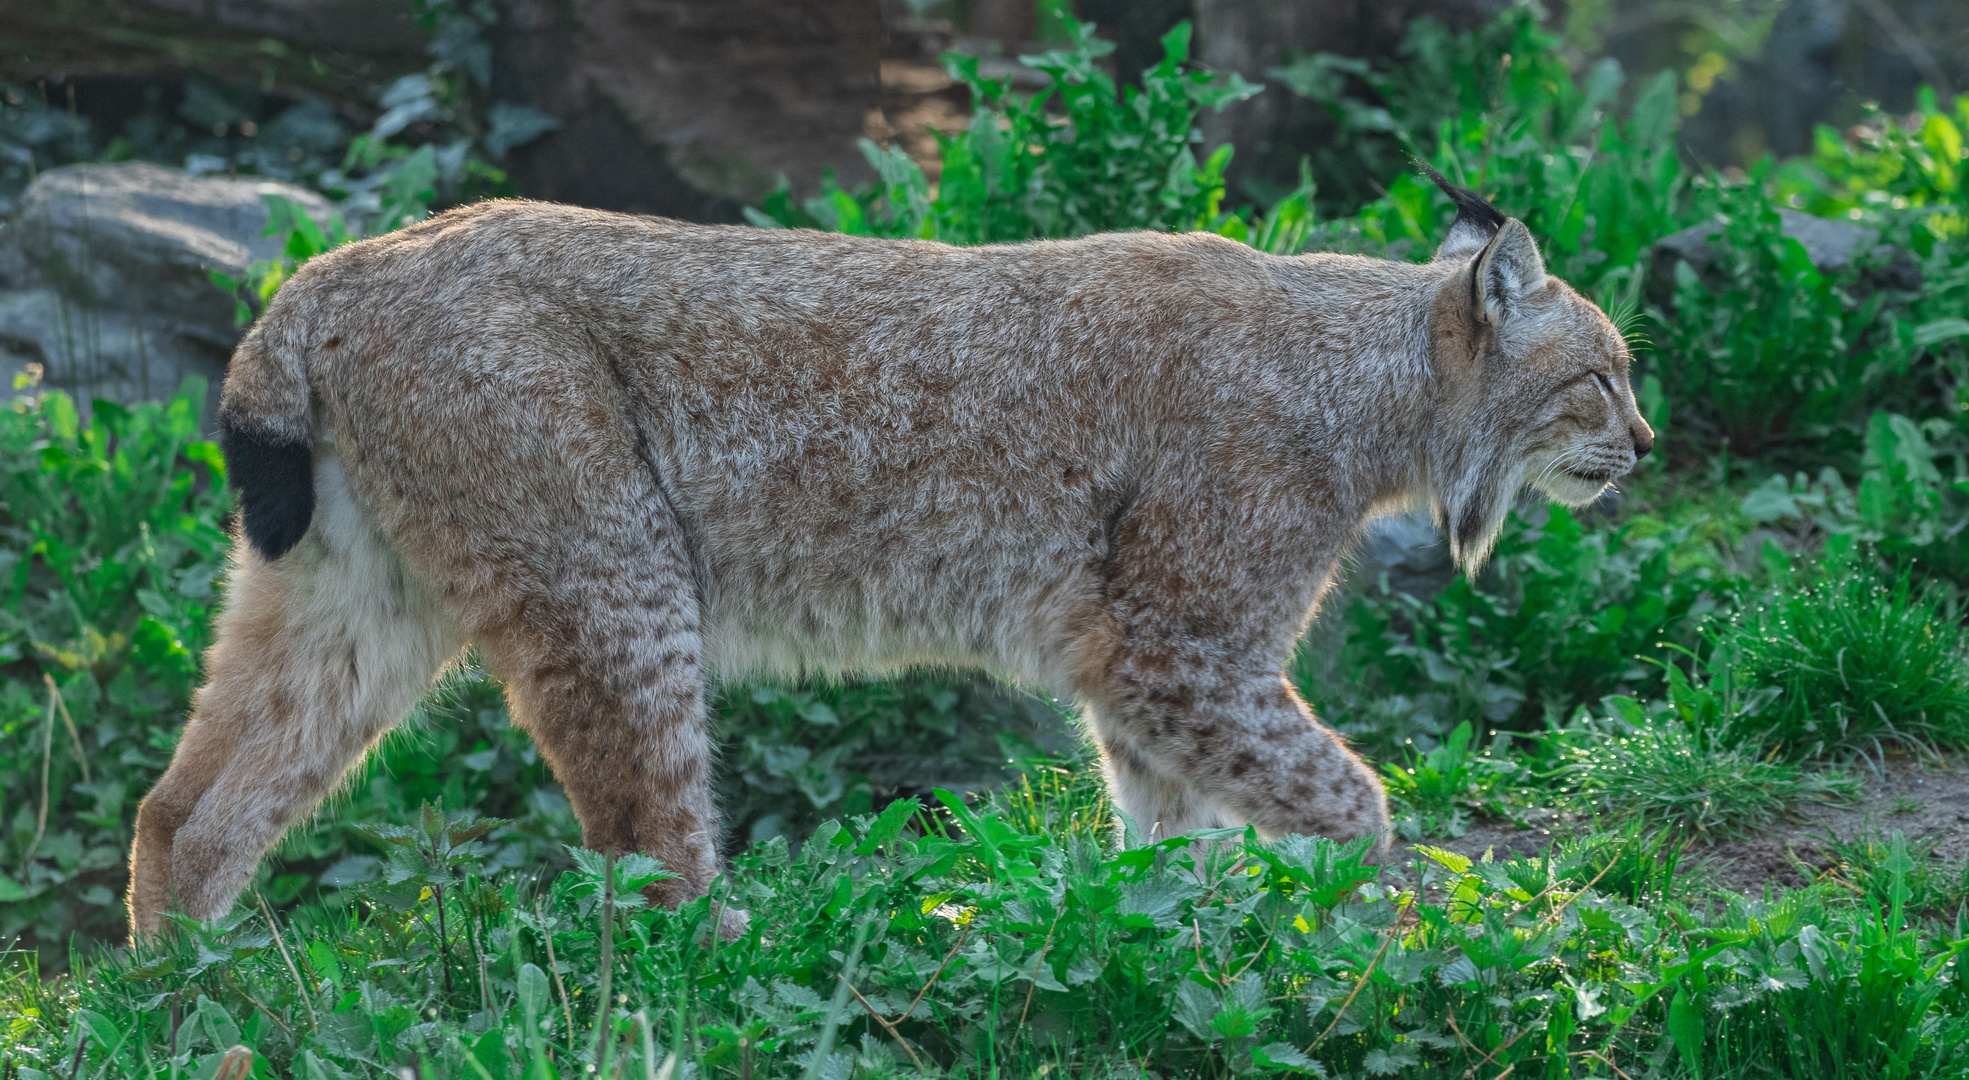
(624, 456)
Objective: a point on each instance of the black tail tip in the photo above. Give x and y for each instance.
(1470, 206)
(275, 484)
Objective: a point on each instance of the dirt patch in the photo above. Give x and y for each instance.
(1921, 798)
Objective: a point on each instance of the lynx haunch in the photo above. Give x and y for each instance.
(626, 455)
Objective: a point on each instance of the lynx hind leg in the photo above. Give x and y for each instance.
(316, 655)
(601, 659)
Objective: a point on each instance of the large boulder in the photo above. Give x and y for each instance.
(1832, 245)
(106, 274)
(690, 108)
(1409, 549)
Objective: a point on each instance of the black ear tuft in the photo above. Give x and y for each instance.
(275, 482)
(1471, 208)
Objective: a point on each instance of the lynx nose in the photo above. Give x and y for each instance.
(1642, 446)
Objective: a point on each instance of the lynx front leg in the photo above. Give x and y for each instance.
(1161, 804)
(601, 666)
(1204, 747)
(1181, 673)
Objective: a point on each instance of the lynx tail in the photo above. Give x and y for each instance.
(266, 434)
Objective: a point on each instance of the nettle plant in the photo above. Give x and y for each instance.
(111, 539)
(1085, 155)
(1016, 936)
(1564, 615)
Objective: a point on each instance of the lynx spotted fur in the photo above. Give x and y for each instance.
(625, 455)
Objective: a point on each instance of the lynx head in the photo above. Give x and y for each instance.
(1534, 378)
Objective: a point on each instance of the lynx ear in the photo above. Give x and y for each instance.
(1477, 221)
(1508, 270)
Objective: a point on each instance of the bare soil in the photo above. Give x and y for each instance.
(1915, 796)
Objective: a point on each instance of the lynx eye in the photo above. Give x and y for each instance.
(1606, 381)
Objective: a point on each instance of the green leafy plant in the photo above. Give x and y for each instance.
(1847, 1005)
(1762, 345)
(1083, 156)
(968, 940)
(1439, 788)
(302, 238)
(800, 754)
(1902, 508)
(1889, 163)
(1564, 615)
(110, 541)
(431, 854)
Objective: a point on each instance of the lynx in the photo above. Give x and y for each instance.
(624, 456)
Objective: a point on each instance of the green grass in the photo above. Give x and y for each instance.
(1659, 769)
(1857, 663)
(1873, 864)
(1013, 937)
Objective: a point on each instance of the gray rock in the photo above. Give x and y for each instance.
(1830, 244)
(1409, 549)
(121, 356)
(139, 236)
(105, 274)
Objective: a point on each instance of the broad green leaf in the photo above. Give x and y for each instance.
(1685, 1027)
(219, 1025)
(1450, 860)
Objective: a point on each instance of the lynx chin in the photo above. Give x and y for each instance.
(625, 456)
